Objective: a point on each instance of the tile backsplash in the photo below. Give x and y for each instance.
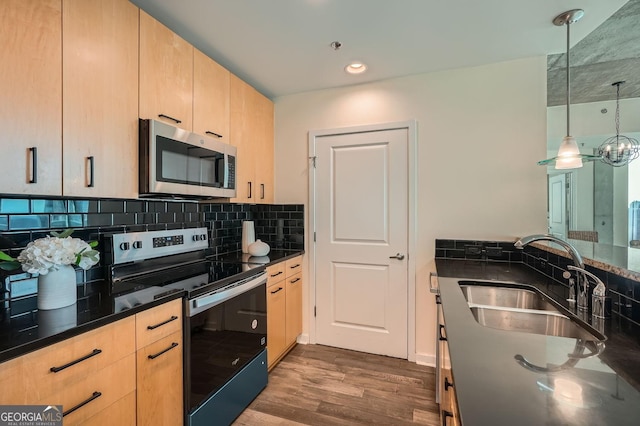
(624, 292)
(23, 220)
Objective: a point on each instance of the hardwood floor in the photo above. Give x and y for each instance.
(321, 385)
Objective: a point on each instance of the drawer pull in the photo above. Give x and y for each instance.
(91, 161)
(297, 265)
(154, 356)
(275, 291)
(445, 415)
(95, 395)
(153, 327)
(170, 118)
(62, 367)
(217, 135)
(447, 384)
(441, 337)
(295, 281)
(276, 274)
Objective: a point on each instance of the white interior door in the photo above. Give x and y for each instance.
(361, 217)
(558, 206)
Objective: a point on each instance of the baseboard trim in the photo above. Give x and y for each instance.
(424, 359)
(303, 339)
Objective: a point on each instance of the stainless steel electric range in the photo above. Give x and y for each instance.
(225, 329)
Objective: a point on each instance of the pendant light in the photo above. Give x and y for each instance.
(569, 156)
(618, 150)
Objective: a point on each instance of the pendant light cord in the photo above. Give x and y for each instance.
(618, 110)
(568, 81)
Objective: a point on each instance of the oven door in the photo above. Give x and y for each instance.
(227, 330)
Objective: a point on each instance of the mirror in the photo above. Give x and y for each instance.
(596, 207)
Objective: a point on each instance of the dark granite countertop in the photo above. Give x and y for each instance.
(493, 389)
(35, 329)
(23, 328)
(273, 257)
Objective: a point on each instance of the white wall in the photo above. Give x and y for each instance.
(480, 132)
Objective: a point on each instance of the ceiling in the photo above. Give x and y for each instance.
(608, 54)
(282, 47)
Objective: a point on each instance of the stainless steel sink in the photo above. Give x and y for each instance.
(507, 297)
(511, 307)
(531, 321)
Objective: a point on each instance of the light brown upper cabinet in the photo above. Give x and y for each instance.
(100, 99)
(251, 125)
(210, 97)
(31, 87)
(166, 74)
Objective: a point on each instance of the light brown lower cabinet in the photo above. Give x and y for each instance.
(102, 377)
(284, 308)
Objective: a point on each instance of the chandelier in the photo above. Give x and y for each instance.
(618, 150)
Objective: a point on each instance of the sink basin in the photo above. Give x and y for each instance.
(513, 307)
(531, 321)
(507, 297)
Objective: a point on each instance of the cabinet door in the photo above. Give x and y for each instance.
(210, 97)
(31, 87)
(294, 308)
(264, 148)
(160, 392)
(166, 74)
(100, 103)
(241, 130)
(276, 322)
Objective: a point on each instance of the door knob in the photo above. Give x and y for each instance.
(398, 256)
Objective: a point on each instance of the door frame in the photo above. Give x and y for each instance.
(412, 211)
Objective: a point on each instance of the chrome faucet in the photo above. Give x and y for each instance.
(599, 293)
(582, 282)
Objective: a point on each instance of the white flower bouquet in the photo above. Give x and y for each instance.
(49, 253)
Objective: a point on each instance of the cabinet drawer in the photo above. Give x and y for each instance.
(275, 273)
(121, 413)
(95, 392)
(293, 266)
(72, 360)
(159, 322)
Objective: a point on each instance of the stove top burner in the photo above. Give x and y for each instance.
(195, 278)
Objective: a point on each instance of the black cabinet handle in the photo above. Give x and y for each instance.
(217, 135)
(95, 395)
(438, 300)
(152, 327)
(447, 384)
(62, 367)
(440, 336)
(91, 169)
(154, 356)
(249, 190)
(275, 291)
(262, 191)
(170, 118)
(294, 281)
(294, 266)
(276, 274)
(34, 164)
(446, 414)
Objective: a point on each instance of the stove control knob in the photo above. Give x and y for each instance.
(203, 237)
(137, 244)
(124, 246)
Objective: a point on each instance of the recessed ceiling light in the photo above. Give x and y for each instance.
(355, 68)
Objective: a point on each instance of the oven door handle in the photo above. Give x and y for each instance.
(210, 300)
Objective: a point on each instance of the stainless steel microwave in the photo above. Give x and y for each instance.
(178, 163)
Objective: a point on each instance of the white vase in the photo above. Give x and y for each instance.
(248, 235)
(57, 289)
(259, 248)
